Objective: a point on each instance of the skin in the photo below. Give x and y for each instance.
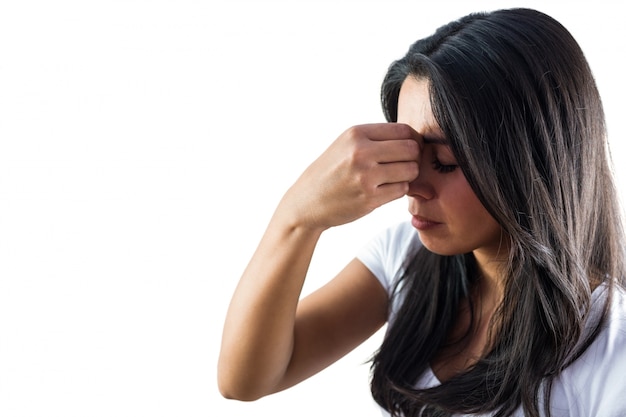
(451, 220)
(440, 198)
(272, 340)
(441, 194)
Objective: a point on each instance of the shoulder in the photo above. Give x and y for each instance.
(387, 253)
(594, 383)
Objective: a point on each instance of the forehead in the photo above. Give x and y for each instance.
(414, 107)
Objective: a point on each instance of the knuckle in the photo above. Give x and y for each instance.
(412, 148)
(364, 182)
(414, 169)
(404, 129)
(354, 132)
(403, 189)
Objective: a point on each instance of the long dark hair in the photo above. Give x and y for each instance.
(517, 101)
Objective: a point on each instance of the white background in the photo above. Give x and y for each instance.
(143, 147)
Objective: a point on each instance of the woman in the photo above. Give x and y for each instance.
(503, 294)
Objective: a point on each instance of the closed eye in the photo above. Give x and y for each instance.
(443, 169)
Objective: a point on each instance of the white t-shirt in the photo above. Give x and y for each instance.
(593, 385)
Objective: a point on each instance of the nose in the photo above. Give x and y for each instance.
(421, 187)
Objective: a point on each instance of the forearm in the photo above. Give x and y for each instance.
(366, 167)
(257, 341)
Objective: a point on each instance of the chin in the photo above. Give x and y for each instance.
(442, 249)
(444, 252)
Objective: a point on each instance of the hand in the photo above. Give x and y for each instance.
(364, 168)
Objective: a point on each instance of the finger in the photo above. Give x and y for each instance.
(391, 131)
(395, 150)
(389, 192)
(397, 172)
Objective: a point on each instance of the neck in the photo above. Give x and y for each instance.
(491, 271)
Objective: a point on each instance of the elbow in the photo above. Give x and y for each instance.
(236, 390)
(244, 381)
(235, 393)
(239, 396)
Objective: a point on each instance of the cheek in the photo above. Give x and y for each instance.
(466, 204)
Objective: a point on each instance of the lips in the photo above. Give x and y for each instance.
(423, 223)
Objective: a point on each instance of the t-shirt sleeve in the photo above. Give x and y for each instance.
(386, 254)
(594, 383)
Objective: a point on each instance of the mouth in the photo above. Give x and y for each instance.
(423, 223)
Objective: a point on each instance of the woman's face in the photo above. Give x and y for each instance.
(447, 214)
